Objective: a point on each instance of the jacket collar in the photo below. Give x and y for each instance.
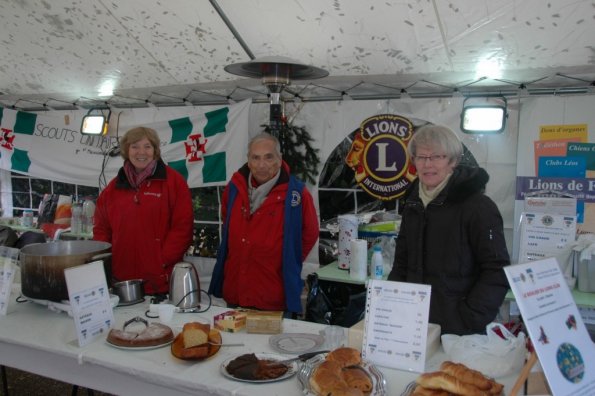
(159, 174)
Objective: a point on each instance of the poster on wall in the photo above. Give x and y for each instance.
(561, 161)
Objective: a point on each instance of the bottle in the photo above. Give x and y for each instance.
(76, 219)
(27, 219)
(88, 213)
(377, 263)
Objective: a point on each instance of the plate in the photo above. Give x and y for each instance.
(307, 369)
(296, 343)
(178, 350)
(139, 348)
(292, 368)
(409, 389)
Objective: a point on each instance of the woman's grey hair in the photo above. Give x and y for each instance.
(437, 137)
(265, 136)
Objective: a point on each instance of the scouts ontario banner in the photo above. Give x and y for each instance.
(205, 146)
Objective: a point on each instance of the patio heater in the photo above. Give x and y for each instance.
(276, 73)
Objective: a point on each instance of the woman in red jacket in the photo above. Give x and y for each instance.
(146, 213)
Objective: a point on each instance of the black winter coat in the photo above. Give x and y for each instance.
(456, 244)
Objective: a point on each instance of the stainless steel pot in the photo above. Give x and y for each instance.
(184, 287)
(129, 291)
(43, 265)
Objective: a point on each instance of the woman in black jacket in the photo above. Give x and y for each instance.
(451, 236)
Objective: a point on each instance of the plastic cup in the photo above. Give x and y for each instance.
(334, 336)
(166, 312)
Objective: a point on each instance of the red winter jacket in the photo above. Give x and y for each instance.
(149, 229)
(253, 270)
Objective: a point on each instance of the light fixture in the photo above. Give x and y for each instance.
(488, 117)
(95, 122)
(276, 73)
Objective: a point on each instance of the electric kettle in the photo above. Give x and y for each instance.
(184, 287)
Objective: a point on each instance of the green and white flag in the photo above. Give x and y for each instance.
(206, 147)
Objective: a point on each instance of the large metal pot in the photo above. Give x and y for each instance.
(43, 265)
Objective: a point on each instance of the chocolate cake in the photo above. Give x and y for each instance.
(249, 367)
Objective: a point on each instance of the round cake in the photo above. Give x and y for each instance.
(154, 334)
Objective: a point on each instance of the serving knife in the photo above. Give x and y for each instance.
(303, 357)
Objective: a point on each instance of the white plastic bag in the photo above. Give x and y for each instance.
(491, 354)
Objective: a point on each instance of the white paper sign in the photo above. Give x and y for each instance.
(90, 301)
(555, 326)
(545, 235)
(6, 278)
(396, 324)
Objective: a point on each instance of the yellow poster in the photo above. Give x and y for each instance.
(554, 132)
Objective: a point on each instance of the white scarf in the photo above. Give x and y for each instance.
(258, 194)
(427, 196)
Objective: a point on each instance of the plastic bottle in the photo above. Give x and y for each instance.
(88, 213)
(27, 220)
(377, 263)
(76, 222)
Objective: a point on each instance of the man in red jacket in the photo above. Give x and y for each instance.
(146, 213)
(270, 226)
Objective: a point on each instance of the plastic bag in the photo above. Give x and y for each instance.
(491, 354)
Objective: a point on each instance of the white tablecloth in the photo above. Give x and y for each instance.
(35, 339)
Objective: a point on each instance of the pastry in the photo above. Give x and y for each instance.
(195, 334)
(421, 391)
(471, 376)
(326, 377)
(357, 377)
(441, 380)
(154, 334)
(345, 356)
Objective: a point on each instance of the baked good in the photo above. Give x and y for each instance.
(326, 377)
(152, 335)
(441, 380)
(466, 374)
(473, 377)
(421, 391)
(195, 334)
(357, 377)
(345, 356)
(250, 367)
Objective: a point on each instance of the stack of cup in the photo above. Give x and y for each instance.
(358, 268)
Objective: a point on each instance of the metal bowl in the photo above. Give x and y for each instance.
(129, 291)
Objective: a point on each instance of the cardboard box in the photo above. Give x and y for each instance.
(355, 337)
(230, 321)
(264, 322)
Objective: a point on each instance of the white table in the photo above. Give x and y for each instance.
(37, 340)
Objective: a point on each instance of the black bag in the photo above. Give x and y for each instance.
(334, 303)
(8, 236)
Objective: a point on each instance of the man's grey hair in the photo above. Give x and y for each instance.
(265, 136)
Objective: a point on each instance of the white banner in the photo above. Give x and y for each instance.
(206, 147)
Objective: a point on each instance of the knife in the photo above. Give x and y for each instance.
(303, 357)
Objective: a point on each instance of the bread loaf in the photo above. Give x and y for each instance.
(195, 334)
(441, 380)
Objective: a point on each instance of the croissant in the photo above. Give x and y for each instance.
(421, 391)
(441, 380)
(473, 377)
(345, 356)
(466, 374)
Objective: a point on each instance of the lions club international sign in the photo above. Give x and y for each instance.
(379, 158)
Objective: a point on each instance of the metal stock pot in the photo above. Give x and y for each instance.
(43, 265)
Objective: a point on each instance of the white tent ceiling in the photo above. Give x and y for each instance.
(58, 52)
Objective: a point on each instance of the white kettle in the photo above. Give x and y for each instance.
(184, 287)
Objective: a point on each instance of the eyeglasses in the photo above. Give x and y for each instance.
(432, 158)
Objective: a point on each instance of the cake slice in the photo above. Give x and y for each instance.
(195, 334)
